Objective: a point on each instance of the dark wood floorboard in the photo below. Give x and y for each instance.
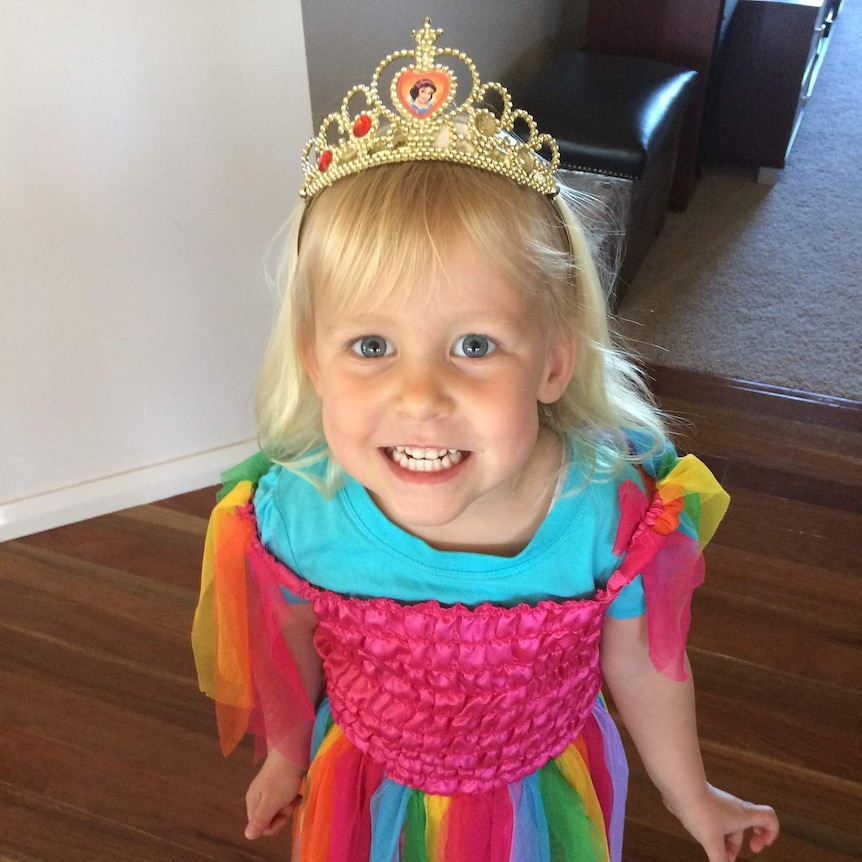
(108, 751)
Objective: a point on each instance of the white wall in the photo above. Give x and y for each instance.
(149, 152)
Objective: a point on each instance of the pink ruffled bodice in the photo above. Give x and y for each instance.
(453, 700)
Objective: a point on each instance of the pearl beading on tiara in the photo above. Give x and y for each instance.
(423, 122)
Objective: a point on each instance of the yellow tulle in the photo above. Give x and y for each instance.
(691, 476)
(436, 808)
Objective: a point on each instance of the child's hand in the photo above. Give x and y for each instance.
(719, 822)
(272, 795)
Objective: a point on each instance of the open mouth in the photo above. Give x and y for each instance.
(424, 460)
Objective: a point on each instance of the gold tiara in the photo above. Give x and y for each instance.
(425, 123)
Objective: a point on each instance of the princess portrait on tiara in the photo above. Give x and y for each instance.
(466, 518)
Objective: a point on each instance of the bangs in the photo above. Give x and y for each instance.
(374, 237)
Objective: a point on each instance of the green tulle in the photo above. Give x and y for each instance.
(249, 470)
(569, 828)
(414, 829)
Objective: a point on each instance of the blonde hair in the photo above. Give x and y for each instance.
(373, 235)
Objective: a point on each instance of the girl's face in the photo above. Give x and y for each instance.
(431, 402)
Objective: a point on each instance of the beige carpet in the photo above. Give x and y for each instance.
(763, 283)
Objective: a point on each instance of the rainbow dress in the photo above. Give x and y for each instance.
(447, 733)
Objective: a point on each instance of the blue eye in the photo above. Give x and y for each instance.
(372, 346)
(474, 346)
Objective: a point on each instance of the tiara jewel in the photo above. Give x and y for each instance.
(424, 122)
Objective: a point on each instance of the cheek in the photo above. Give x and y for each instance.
(512, 414)
(346, 410)
(339, 392)
(334, 424)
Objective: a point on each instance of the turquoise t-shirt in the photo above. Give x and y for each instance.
(346, 544)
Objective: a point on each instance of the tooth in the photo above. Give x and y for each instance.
(425, 459)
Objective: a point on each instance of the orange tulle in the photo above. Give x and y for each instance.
(233, 664)
(220, 635)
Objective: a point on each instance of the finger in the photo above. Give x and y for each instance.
(765, 827)
(762, 838)
(276, 824)
(253, 829)
(733, 844)
(252, 798)
(260, 825)
(716, 850)
(258, 820)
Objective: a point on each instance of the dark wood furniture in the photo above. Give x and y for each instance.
(682, 32)
(616, 120)
(769, 64)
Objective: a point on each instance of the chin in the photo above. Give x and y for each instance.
(419, 516)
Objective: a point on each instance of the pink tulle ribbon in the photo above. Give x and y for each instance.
(669, 558)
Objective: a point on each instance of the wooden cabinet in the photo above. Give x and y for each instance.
(684, 32)
(766, 74)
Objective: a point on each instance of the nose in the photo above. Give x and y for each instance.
(424, 391)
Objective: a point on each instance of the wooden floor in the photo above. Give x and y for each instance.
(108, 751)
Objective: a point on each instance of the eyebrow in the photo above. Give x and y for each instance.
(484, 318)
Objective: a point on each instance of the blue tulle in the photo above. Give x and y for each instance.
(322, 723)
(617, 765)
(388, 812)
(530, 834)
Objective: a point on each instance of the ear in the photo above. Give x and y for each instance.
(559, 367)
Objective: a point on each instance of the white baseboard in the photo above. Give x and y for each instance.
(133, 488)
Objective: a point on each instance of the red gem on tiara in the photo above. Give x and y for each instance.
(324, 161)
(362, 125)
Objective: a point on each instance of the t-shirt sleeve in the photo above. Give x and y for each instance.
(265, 509)
(272, 528)
(270, 521)
(630, 601)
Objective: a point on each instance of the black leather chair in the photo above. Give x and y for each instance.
(616, 120)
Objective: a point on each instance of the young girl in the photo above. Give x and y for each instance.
(473, 518)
